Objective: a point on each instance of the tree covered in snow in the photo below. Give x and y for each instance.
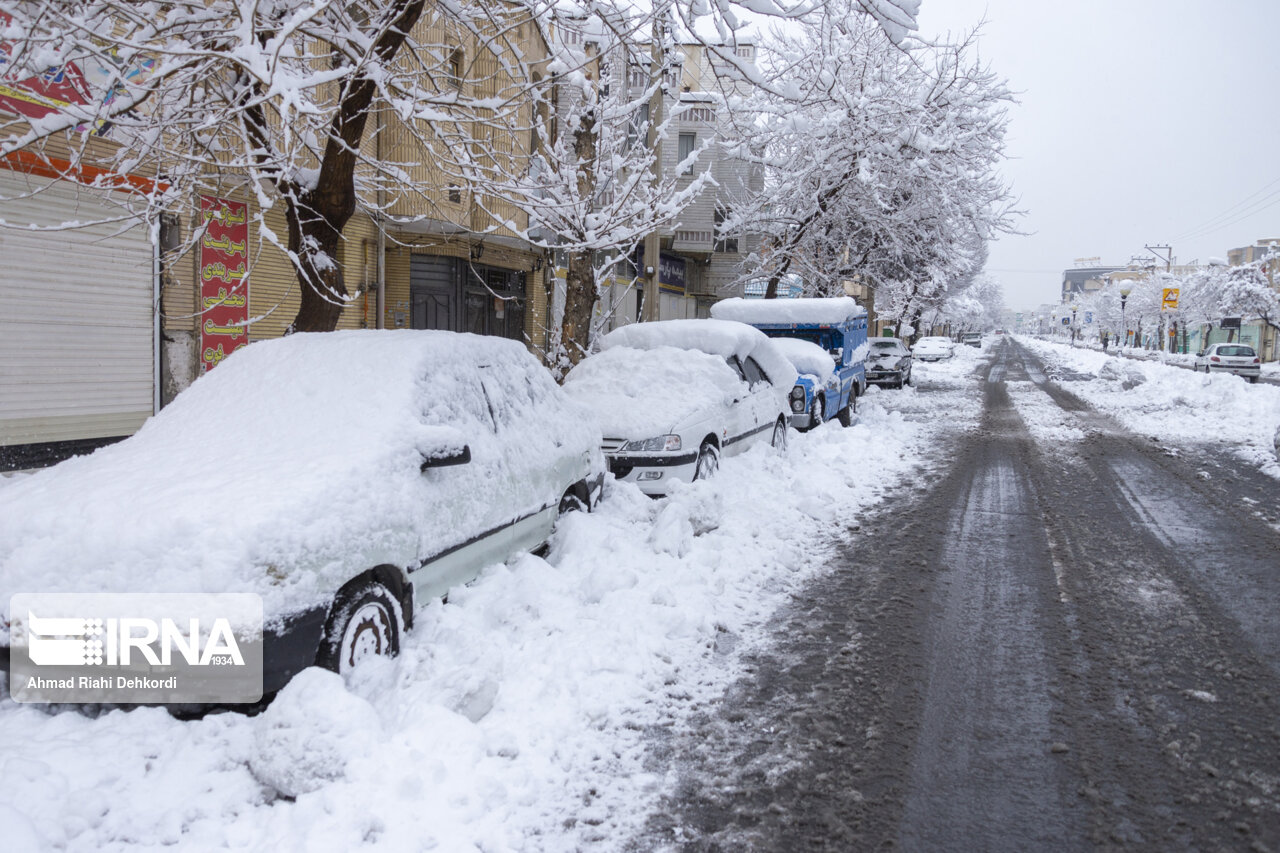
(287, 101)
(975, 308)
(881, 163)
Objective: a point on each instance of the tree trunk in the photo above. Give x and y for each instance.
(580, 283)
(317, 215)
(580, 300)
(314, 241)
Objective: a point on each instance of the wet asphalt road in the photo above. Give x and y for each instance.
(1060, 646)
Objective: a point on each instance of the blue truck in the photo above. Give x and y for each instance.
(830, 381)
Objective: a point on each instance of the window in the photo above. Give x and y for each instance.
(455, 195)
(724, 243)
(753, 372)
(454, 69)
(686, 144)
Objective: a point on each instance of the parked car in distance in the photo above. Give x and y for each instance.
(675, 395)
(972, 339)
(343, 477)
(889, 362)
(933, 349)
(1240, 359)
(836, 327)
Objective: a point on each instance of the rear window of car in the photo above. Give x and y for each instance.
(885, 345)
(1235, 351)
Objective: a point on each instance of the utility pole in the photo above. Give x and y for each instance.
(657, 72)
(1167, 257)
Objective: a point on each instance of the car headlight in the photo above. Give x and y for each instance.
(652, 445)
(797, 398)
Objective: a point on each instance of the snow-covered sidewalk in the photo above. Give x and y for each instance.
(516, 716)
(1174, 404)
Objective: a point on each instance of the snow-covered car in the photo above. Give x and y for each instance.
(340, 476)
(1240, 359)
(672, 396)
(817, 373)
(837, 326)
(972, 339)
(889, 362)
(933, 348)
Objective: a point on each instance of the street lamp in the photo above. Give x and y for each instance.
(1125, 290)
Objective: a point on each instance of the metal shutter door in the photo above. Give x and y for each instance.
(76, 323)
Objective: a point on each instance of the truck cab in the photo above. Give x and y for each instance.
(837, 325)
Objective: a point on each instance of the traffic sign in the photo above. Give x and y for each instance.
(1170, 299)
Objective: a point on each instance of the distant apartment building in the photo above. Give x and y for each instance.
(1081, 281)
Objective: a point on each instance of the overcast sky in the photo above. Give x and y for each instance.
(1139, 122)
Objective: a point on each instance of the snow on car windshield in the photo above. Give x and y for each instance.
(642, 393)
(807, 357)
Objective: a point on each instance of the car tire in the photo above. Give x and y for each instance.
(571, 501)
(779, 439)
(817, 412)
(365, 620)
(1252, 380)
(846, 414)
(906, 380)
(708, 461)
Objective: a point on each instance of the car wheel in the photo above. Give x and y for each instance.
(364, 623)
(817, 412)
(571, 501)
(708, 461)
(1253, 379)
(846, 414)
(779, 440)
(907, 379)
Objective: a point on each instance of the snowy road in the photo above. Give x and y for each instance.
(1069, 642)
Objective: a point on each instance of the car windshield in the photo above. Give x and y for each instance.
(1237, 351)
(885, 345)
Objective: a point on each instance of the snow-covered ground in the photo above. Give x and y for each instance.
(1173, 404)
(516, 716)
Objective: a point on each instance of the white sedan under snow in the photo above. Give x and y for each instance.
(341, 476)
(934, 348)
(672, 396)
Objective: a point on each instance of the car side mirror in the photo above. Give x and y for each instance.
(1200, 354)
(446, 458)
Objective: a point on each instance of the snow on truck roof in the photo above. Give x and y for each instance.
(718, 337)
(828, 311)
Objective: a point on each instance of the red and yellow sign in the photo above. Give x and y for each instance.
(224, 280)
(1169, 299)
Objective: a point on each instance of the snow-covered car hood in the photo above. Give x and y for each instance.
(807, 357)
(279, 471)
(642, 393)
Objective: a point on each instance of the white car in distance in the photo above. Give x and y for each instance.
(933, 348)
(673, 396)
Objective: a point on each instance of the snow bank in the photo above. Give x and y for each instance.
(516, 717)
(1174, 404)
(788, 311)
(807, 357)
(644, 393)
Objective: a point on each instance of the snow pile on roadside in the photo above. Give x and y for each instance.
(515, 718)
(1175, 404)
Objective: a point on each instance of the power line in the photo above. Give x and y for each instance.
(1212, 222)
